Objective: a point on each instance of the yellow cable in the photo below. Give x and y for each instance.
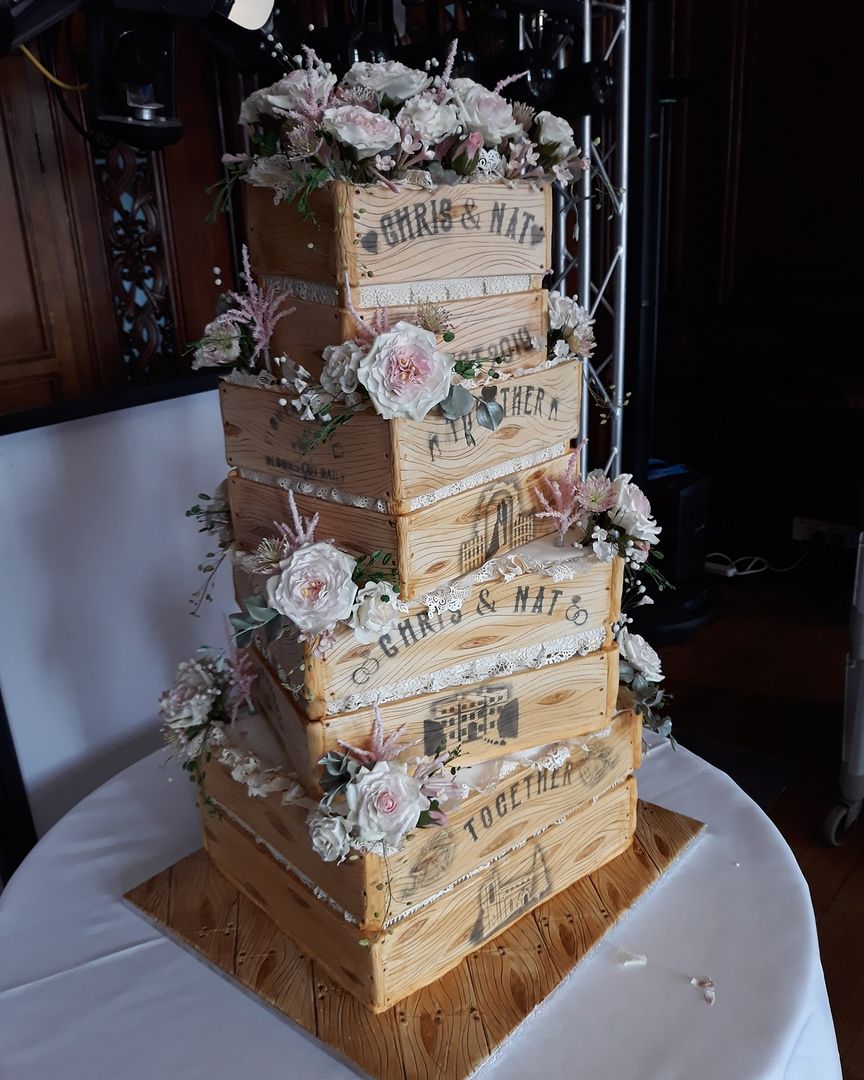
(48, 74)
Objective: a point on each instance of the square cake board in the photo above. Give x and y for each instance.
(448, 1029)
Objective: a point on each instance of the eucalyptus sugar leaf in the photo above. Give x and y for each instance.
(274, 629)
(488, 393)
(244, 638)
(457, 403)
(261, 615)
(489, 414)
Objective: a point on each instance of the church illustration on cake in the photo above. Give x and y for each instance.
(489, 712)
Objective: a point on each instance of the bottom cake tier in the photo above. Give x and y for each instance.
(384, 927)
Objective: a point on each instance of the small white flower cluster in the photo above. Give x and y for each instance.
(571, 327)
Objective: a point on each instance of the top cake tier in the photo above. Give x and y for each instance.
(370, 236)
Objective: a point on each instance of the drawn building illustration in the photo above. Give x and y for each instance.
(499, 529)
(506, 895)
(488, 712)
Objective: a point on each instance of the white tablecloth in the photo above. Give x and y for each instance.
(89, 990)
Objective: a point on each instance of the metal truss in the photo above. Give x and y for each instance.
(589, 248)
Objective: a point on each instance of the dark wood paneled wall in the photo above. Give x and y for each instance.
(760, 373)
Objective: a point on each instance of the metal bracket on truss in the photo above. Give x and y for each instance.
(600, 264)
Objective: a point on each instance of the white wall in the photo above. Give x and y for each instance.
(97, 562)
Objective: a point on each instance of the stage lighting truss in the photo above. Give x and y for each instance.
(590, 241)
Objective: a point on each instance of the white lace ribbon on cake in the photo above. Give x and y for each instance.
(326, 493)
(407, 293)
(493, 665)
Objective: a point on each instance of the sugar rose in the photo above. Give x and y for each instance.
(638, 654)
(367, 133)
(376, 610)
(404, 373)
(554, 134)
(390, 79)
(384, 803)
(431, 121)
(329, 835)
(314, 587)
(484, 111)
(292, 95)
(339, 375)
(220, 344)
(632, 512)
(189, 701)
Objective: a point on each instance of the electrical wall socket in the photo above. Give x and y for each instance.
(812, 530)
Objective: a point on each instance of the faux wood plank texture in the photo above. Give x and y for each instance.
(541, 410)
(502, 615)
(431, 546)
(441, 1029)
(530, 708)
(212, 922)
(377, 236)
(486, 825)
(485, 327)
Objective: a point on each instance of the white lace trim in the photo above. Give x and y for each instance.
(315, 292)
(367, 502)
(485, 476)
(260, 778)
(482, 667)
(467, 288)
(505, 568)
(317, 491)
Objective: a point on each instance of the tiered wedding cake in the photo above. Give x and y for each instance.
(413, 739)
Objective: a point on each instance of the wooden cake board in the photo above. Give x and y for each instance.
(448, 1029)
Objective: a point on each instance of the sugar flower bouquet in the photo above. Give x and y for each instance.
(385, 122)
(372, 802)
(312, 586)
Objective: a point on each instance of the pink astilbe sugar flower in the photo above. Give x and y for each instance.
(499, 86)
(438, 783)
(596, 492)
(302, 530)
(380, 749)
(447, 72)
(259, 307)
(561, 503)
(242, 673)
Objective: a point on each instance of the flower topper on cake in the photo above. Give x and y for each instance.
(386, 123)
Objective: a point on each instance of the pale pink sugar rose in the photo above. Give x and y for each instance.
(431, 120)
(404, 373)
(484, 111)
(300, 92)
(314, 587)
(385, 803)
(190, 699)
(595, 492)
(632, 511)
(377, 609)
(367, 133)
(390, 78)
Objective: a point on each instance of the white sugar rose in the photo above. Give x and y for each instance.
(390, 78)
(339, 375)
(313, 587)
(190, 699)
(632, 511)
(376, 610)
(560, 310)
(329, 834)
(636, 652)
(220, 344)
(384, 803)
(553, 133)
(431, 121)
(484, 111)
(367, 133)
(404, 373)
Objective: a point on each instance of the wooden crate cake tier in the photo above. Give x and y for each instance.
(430, 546)
(506, 711)
(383, 927)
(403, 463)
(480, 250)
(542, 601)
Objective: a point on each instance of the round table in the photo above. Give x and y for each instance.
(90, 990)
